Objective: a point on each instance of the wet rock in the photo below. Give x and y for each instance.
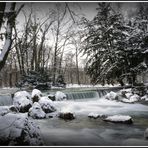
(66, 116)
(13, 108)
(51, 97)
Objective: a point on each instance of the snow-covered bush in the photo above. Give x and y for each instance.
(47, 105)
(59, 96)
(17, 129)
(36, 95)
(36, 111)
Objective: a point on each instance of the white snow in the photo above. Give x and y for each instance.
(21, 101)
(4, 110)
(12, 126)
(111, 96)
(145, 97)
(89, 86)
(118, 118)
(59, 96)
(36, 92)
(22, 94)
(47, 104)
(134, 98)
(128, 95)
(36, 111)
(94, 115)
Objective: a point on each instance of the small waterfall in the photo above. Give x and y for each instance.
(5, 100)
(82, 95)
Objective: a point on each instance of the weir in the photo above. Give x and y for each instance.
(72, 94)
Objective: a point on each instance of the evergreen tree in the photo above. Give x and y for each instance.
(116, 49)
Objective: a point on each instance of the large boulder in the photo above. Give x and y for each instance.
(36, 95)
(47, 105)
(36, 111)
(18, 130)
(60, 96)
(22, 101)
(119, 119)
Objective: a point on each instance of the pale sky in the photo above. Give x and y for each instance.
(86, 8)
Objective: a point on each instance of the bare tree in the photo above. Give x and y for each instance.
(11, 15)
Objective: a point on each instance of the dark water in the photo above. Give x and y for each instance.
(90, 132)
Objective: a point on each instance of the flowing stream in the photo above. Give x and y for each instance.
(84, 131)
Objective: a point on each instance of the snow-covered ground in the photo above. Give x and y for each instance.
(89, 86)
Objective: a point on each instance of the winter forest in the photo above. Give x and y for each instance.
(73, 73)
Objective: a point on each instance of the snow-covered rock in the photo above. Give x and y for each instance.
(4, 110)
(146, 134)
(17, 129)
(22, 101)
(145, 98)
(128, 95)
(135, 98)
(59, 96)
(47, 105)
(36, 95)
(66, 115)
(95, 115)
(22, 94)
(111, 96)
(12, 108)
(36, 111)
(119, 119)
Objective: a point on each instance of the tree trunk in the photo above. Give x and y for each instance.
(8, 40)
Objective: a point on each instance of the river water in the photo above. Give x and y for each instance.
(83, 131)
